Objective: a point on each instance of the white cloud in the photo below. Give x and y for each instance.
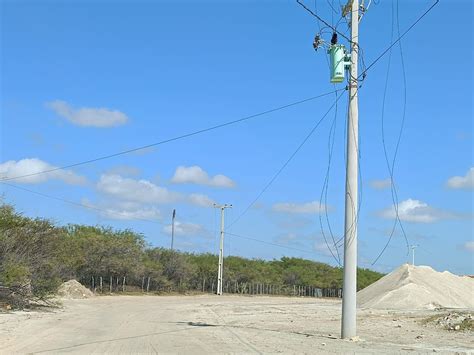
(300, 208)
(462, 182)
(327, 249)
(125, 211)
(287, 238)
(149, 213)
(184, 228)
(201, 200)
(415, 211)
(124, 170)
(12, 168)
(142, 191)
(380, 184)
(142, 151)
(469, 246)
(87, 116)
(196, 175)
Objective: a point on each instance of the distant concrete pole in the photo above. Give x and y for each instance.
(220, 270)
(413, 247)
(172, 229)
(348, 328)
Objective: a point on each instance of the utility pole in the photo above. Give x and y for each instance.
(413, 247)
(348, 328)
(220, 270)
(172, 228)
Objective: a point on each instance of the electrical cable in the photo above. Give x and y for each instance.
(391, 167)
(75, 203)
(324, 21)
(324, 192)
(290, 158)
(187, 135)
(398, 39)
(273, 244)
(325, 187)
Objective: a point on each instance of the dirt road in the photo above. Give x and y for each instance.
(212, 324)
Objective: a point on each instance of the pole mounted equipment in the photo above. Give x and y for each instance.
(340, 61)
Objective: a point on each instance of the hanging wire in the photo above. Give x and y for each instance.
(399, 38)
(77, 204)
(324, 190)
(169, 140)
(285, 164)
(391, 165)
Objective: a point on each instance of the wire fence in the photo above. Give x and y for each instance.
(123, 284)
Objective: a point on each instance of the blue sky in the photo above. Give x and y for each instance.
(83, 79)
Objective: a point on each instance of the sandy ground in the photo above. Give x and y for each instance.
(212, 324)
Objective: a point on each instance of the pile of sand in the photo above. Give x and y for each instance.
(418, 287)
(73, 290)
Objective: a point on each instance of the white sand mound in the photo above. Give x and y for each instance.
(418, 287)
(73, 290)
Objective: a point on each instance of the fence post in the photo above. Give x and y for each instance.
(110, 284)
(123, 284)
(148, 284)
(203, 284)
(101, 284)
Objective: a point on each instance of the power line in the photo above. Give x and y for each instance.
(391, 168)
(187, 135)
(324, 190)
(324, 21)
(280, 170)
(74, 203)
(273, 244)
(154, 221)
(398, 39)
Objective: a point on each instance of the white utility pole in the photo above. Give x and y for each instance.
(172, 229)
(348, 328)
(220, 270)
(413, 247)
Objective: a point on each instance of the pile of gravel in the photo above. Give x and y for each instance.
(74, 290)
(418, 287)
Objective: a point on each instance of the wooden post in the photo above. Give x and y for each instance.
(110, 284)
(123, 284)
(101, 284)
(148, 285)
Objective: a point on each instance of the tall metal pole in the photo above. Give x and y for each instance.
(172, 229)
(351, 205)
(220, 270)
